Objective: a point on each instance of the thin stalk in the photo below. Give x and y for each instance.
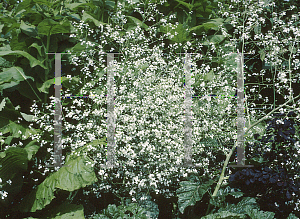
(233, 148)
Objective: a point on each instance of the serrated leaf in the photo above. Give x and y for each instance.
(257, 214)
(189, 193)
(239, 208)
(224, 215)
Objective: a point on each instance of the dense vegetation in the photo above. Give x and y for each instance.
(151, 35)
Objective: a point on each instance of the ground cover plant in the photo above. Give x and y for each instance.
(149, 131)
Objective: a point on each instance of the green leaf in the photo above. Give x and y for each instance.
(13, 74)
(28, 118)
(189, 193)
(39, 48)
(209, 76)
(75, 174)
(2, 104)
(33, 62)
(292, 216)
(215, 39)
(31, 149)
(224, 214)
(66, 211)
(87, 17)
(262, 54)
(239, 208)
(64, 80)
(257, 214)
(13, 161)
(187, 5)
(138, 22)
(29, 30)
(49, 27)
(76, 6)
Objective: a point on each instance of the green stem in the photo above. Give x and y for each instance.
(233, 148)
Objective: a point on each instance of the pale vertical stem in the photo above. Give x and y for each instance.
(188, 106)
(110, 112)
(57, 115)
(240, 112)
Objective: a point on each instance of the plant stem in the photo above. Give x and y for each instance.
(233, 148)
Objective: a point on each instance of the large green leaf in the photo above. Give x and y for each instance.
(66, 211)
(49, 27)
(13, 163)
(33, 61)
(239, 208)
(29, 30)
(13, 74)
(224, 215)
(74, 175)
(257, 214)
(189, 193)
(87, 17)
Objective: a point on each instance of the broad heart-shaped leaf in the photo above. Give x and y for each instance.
(257, 214)
(224, 215)
(49, 27)
(33, 61)
(29, 30)
(75, 174)
(189, 193)
(87, 17)
(65, 211)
